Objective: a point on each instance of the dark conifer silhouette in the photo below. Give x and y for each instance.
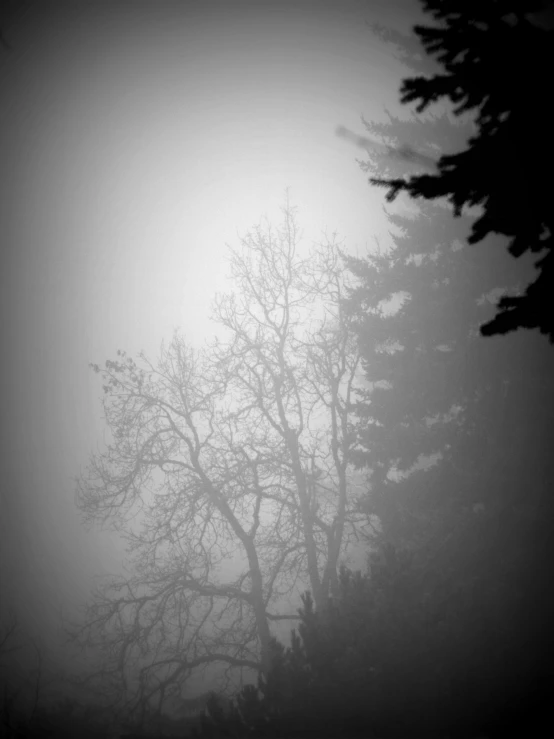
(495, 60)
(474, 524)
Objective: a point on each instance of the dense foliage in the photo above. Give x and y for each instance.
(403, 654)
(493, 59)
(454, 432)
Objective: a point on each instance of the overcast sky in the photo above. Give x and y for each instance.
(136, 140)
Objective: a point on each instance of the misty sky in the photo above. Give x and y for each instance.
(136, 139)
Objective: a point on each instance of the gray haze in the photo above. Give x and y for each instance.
(136, 139)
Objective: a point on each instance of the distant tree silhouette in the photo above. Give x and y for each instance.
(495, 56)
(481, 394)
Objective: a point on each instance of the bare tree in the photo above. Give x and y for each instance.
(234, 461)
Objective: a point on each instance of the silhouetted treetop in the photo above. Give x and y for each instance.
(495, 62)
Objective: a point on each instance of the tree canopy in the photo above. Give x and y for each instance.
(228, 472)
(494, 57)
(454, 433)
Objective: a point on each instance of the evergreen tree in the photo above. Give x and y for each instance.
(434, 386)
(474, 523)
(494, 60)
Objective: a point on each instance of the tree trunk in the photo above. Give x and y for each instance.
(258, 604)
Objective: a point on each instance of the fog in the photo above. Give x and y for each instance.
(138, 140)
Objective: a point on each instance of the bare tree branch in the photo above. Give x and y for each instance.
(234, 454)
